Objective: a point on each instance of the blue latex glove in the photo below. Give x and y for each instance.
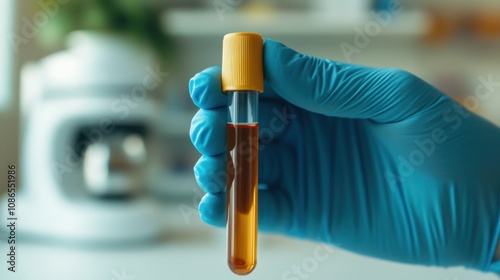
(375, 161)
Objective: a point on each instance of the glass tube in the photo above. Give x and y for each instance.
(242, 180)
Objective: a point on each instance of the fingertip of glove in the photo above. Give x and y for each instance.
(207, 131)
(194, 130)
(211, 209)
(210, 174)
(205, 88)
(195, 89)
(192, 85)
(198, 134)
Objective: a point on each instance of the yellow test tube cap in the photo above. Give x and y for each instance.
(242, 62)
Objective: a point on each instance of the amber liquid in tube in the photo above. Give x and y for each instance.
(242, 187)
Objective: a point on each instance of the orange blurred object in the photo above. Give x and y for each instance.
(486, 24)
(445, 25)
(442, 27)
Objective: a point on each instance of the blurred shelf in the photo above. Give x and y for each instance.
(183, 22)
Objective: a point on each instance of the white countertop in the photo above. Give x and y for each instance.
(193, 250)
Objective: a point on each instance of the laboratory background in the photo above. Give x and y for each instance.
(95, 115)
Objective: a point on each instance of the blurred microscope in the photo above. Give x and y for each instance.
(89, 146)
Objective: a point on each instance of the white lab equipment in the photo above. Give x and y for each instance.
(88, 143)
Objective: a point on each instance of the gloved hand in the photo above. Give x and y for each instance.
(375, 161)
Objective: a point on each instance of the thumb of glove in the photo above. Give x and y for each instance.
(343, 90)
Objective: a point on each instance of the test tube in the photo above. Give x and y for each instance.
(242, 80)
